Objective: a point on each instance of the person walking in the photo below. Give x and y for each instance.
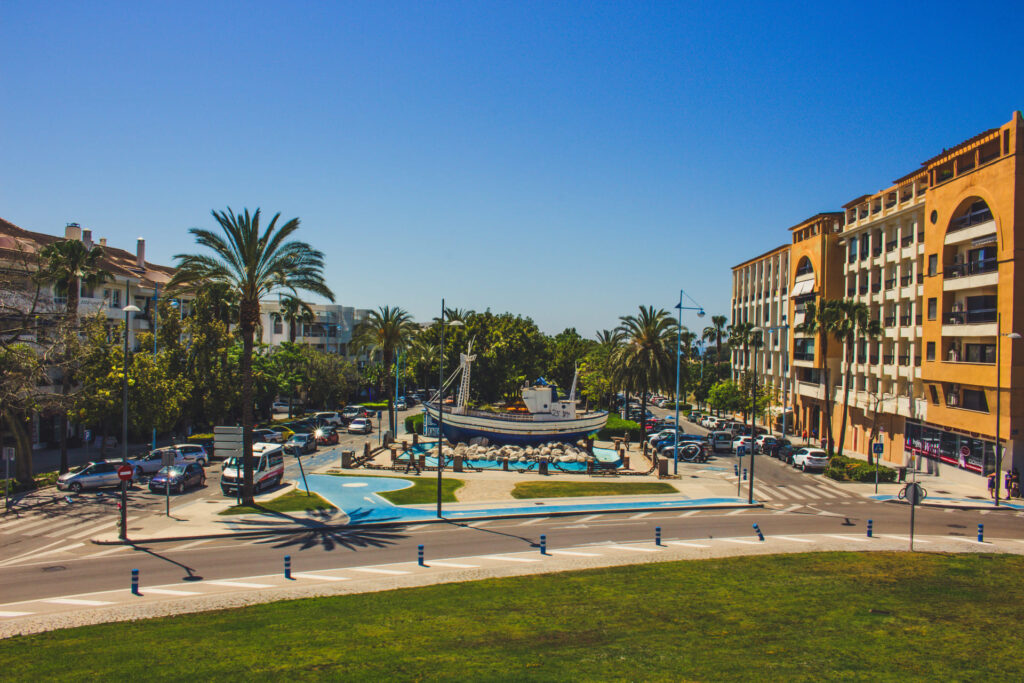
(992, 485)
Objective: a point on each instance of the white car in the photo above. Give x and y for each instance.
(151, 463)
(331, 418)
(360, 425)
(810, 459)
(266, 436)
(193, 452)
(741, 441)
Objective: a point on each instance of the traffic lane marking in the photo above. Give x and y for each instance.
(319, 577)
(76, 601)
(15, 614)
(453, 565)
(506, 558)
(686, 544)
(791, 538)
(372, 570)
(739, 540)
(35, 554)
(239, 584)
(573, 553)
(636, 549)
(166, 591)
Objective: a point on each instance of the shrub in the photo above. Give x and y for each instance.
(414, 424)
(201, 437)
(374, 405)
(842, 468)
(616, 426)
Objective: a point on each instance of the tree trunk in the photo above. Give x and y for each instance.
(846, 398)
(248, 315)
(22, 448)
(827, 399)
(391, 393)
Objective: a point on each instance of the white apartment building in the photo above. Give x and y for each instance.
(330, 330)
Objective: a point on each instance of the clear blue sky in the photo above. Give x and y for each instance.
(566, 161)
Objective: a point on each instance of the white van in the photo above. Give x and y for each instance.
(720, 441)
(267, 470)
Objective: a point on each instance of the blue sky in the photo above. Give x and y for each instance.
(566, 161)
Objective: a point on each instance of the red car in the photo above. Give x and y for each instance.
(326, 436)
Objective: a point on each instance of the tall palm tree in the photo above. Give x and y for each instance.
(68, 265)
(853, 320)
(742, 334)
(253, 264)
(714, 332)
(820, 320)
(387, 330)
(293, 310)
(423, 354)
(646, 360)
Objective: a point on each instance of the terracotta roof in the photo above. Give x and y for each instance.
(784, 247)
(816, 217)
(859, 200)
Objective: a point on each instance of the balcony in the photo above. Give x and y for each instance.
(890, 245)
(904, 320)
(890, 321)
(877, 251)
(862, 358)
(863, 289)
(876, 287)
(976, 216)
(917, 319)
(971, 317)
(874, 360)
(890, 283)
(887, 359)
(863, 254)
(803, 355)
(988, 265)
(904, 360)
(917, 361)
(920, 236)
(906, 280)
(907, 241)
(920, 278)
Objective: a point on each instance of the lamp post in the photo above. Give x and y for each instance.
(123, 533)
(679, 353)
(785, 372)
(999, 393)
(753, 415)
(440, 409)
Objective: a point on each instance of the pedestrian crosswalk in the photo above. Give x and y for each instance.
(53, 525)
(805, 493)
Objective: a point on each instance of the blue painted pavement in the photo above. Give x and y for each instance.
(357, 498)
(963, 501)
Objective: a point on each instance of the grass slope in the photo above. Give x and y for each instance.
(564, 489)
(810, 617)
(294, 501)
(422, 491)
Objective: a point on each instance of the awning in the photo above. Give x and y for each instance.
(802, 288)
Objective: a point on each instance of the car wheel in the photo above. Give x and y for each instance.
(75, 487)
(803, 468)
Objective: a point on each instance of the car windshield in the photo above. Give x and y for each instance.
(232, 462)
(80, 468)
(172, 471)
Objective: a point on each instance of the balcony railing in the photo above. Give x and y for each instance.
(864, 254)
(890, 320)
(906, 280)
(917, 319)
(890, 245)
(877, 251)
(904, 320)
(920, 236)
(917, 361)
(953, 400)
(862, 358)
(887, 359)
(907, 241)
(920, 278)
(850, 291)
(803, 355)
(874, 360)
(971, 218)
(904, 360)
(971, 317)
(906, 197)
(890, 283)
(876, 287)
(987, 265)
(863, 289)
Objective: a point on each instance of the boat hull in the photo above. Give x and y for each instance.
(462, 428)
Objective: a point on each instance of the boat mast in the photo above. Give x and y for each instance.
(575, 376)
(466, 360)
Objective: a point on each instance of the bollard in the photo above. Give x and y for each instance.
(135, 582)
(657, 535)
(981, 533)
(419, 553)
(870, 524)
(744, 474)
(543, 544)
(736, 469)
(287, 566)
(760, 536)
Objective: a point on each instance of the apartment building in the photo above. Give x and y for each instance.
(933, 256)
(329, 331)
(760, 296)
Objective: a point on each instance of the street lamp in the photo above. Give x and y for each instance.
(753, 412)
(785, 372)
(679, 351)
(123, 534)
(440, 408)
(999, 391)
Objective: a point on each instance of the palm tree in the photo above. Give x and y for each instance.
(68, 265)
(743, 334)
(387, 330)
(293, 310)
(646, 360)
(714, 332)
(820, 320)
(253, 265)
(853, 321)
(422, 355)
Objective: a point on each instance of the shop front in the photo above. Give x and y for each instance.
(965, 451)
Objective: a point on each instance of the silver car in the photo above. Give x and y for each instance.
(193, 452)
(91, 475)
(151, 463)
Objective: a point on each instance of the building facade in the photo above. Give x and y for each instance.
(329, 331)
(933, 256)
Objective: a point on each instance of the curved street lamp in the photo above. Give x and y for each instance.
(679, 351)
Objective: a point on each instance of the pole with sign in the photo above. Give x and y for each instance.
(8, 457)
(227, 443)
(913, 494)
(877, 447)
(124, 473)
(378, 427)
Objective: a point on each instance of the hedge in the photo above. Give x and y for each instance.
(616, 426)
(842, 468)
(414, 424)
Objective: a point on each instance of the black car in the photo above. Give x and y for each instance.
(177, 478)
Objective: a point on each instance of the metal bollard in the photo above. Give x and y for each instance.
(657, 535)
(543, 544)
(760, 536)
(870, 525)
(744, 474)
(736, 469)
(287, 566)
(135, 582)
(419, 554)
(981, 533)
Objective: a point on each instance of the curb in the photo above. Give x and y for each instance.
(443, 520)
(953, 506)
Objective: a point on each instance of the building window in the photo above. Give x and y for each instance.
(930, 351)
(933, 264)
(980, 353)
(933, 393)
(803, 349)
(974, 399)
(115, 298)
(278, 326)
(932, 305)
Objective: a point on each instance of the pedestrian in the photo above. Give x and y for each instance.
(1008, 482)
(805, 436)
(1015, 484)
(992, 485)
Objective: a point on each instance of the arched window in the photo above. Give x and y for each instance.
(804, 267)
(971, 212)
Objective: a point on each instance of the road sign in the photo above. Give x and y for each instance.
(8, 452)
(124, 472)
(914, 493)
(965, 451)
(878, 448)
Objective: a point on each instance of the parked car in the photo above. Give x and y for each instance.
(690, 451)
(178, 478)
(267, 469)
(266, 435)
(352, 412)
(658, 436)
(401, 404)
(154, 460)
(193, 452)
(279, 406)
(741, 441)
(91, 475)
(720, 441)
(283, 433)
(784, 450)
(331, 418)
(326, 436)
(360, 425)
(810, 459)
(300, 443)
(764, 443)
(684, 439)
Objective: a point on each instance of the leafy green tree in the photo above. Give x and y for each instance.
(101, 373)
(69, 265)
(646, 359)
(291, 371)
(566, 350)
(253, 264)
(156, 397)
(387, 330)
(330, 378)
(726, 395)
(714, 333)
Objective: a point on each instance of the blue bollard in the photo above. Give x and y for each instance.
(981, 533)
(870, 523)
(744, 474)
(736, 469)
(135, 582)
(420, 556)
(543, 544)
(760, 536)
(287, 566)
(657, 535)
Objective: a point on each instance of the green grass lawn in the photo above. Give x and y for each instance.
(295, 500)
(422, 491)
(564, 489)
(809, 617)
